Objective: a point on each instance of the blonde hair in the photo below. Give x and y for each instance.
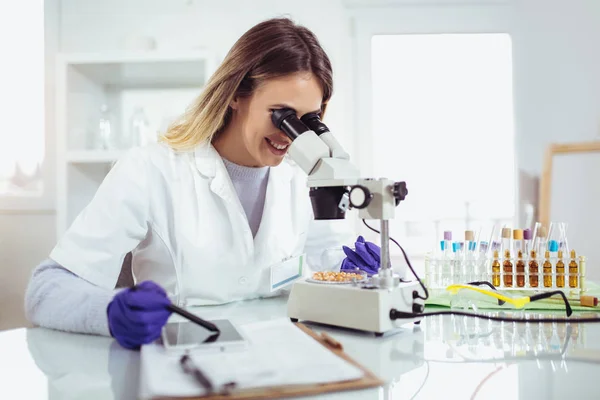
(271, 49)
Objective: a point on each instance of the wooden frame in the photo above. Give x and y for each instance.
(546, 179)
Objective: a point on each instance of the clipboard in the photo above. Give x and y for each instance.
(369, 380)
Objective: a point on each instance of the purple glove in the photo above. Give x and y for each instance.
(366, 257)
(136, 315)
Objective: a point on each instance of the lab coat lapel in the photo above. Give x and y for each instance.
(210, 164)
(276, 230)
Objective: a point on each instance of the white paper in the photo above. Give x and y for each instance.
(279, 354)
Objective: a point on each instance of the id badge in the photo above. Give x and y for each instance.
(286, 272)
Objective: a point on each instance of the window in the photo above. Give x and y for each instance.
(442, 120)
(22, 98)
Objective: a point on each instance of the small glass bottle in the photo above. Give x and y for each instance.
(508, 269)
(560, 270)
(496, 270)
(520, 270)
(139, 131)
(573, 270)
(547, 270)
(107, 139)
(533, 270)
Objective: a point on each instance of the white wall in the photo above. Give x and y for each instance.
(26, 237)
(557, 76)
(89, 26)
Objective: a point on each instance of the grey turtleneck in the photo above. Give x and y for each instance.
(251, 187)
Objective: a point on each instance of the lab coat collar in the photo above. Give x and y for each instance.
(206, 159)
(278, 196)
(209, 162)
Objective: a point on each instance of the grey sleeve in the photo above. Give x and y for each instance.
(58, 299)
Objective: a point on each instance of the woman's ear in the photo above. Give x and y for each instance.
(235, 103)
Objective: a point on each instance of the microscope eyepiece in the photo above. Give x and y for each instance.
(286, 120)
(313, 121)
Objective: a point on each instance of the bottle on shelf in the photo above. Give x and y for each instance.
(139, 130)
(106, 134)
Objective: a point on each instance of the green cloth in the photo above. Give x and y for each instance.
(443, 298)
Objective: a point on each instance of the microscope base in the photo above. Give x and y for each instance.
(354, 307)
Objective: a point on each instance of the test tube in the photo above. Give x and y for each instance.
(454, 264)
(448, 241)
(481, 262)
(527, 236)
(564, 243)
(553, 250)
(506, 240)
(493, 238)
(539, 243)
(470, 240)
(517, 241)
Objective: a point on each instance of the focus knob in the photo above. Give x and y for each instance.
(400, 191)
(360, 197)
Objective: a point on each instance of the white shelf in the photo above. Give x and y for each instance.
(161, 83)
(146, 69)
(93, 156)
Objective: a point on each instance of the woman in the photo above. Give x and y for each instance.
(207, 211)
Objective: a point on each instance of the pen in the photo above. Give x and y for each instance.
(189, 368)
(194, 318)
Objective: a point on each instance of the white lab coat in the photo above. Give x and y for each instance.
(180, 216)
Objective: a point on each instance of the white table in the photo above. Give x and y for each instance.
(446, 357)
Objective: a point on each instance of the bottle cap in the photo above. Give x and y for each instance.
(542, 232)
(527, 234)
(506, 233)
(442, 245)
(553, 245)
(469, 236)
(573, 255)
(533, 254)
(518, 234)
(447, 235)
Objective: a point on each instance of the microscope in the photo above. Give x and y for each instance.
(335, 187)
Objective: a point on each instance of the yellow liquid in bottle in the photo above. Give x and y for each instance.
(533, 270)
(520, 270)
(560, 271)
(507, 266)
(547, 270)
(496, 270)
(573, 271)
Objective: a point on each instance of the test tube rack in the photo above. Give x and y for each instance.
(442, 272)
